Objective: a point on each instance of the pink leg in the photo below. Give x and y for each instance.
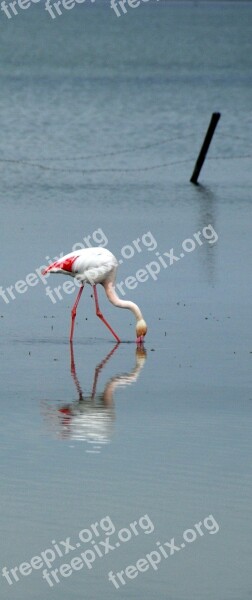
(99, 368)
(100, 315)
(73, 373)
(73, 313)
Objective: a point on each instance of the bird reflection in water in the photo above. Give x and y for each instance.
(91, 418)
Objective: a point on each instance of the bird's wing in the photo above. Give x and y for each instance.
(93, 273)
(89, 264)
(64, 264)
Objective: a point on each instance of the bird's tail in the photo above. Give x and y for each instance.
(63, 265)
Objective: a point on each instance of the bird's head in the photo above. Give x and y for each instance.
(141, 330)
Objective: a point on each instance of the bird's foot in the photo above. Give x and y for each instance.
(140, 340)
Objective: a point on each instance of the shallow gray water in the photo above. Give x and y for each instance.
(101, 121)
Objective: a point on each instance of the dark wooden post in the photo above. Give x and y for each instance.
(203, 152)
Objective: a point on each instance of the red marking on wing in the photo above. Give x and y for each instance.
(65, 265)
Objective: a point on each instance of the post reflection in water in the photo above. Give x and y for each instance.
(207, 215)
(91, 419)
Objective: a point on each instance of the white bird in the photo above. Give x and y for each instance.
(96, 265)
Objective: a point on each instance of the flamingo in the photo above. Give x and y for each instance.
(96, 265)
(90, 418)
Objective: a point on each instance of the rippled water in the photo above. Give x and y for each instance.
(101, 122)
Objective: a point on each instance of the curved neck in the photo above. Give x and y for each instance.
(112, 296)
